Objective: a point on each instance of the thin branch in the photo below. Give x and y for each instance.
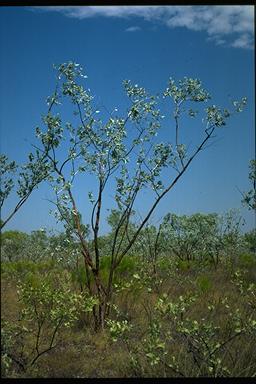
(176, 118)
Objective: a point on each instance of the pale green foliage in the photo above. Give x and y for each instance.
(55, 303)
(154, 347)
(7, 183)
(216, 116)
(239, 105)
(32, 174)
(63, 249)
(49, 304)
(12, 342)
(187, 89)
(118, 328)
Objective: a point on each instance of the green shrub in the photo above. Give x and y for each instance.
(204, 283)
(247, 260)
(164, 264)
(79, 276)
(18, 269)
(127, 266)
(183, 265)
(49, 305)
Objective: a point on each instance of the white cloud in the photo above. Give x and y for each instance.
(133, 29)
(243, 41)
(122, 11)
(216, 39)
(235, 22)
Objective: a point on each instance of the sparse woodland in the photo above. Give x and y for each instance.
(169, 299)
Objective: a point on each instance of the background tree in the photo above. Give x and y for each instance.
(194, 237)
(13, 244)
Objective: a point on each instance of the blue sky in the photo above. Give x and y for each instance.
(146, 45)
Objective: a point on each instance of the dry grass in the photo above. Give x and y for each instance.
(82, 353)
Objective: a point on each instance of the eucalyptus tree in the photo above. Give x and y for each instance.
(203, 237)
(13, 244)
(122, 153)
(192, 237)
